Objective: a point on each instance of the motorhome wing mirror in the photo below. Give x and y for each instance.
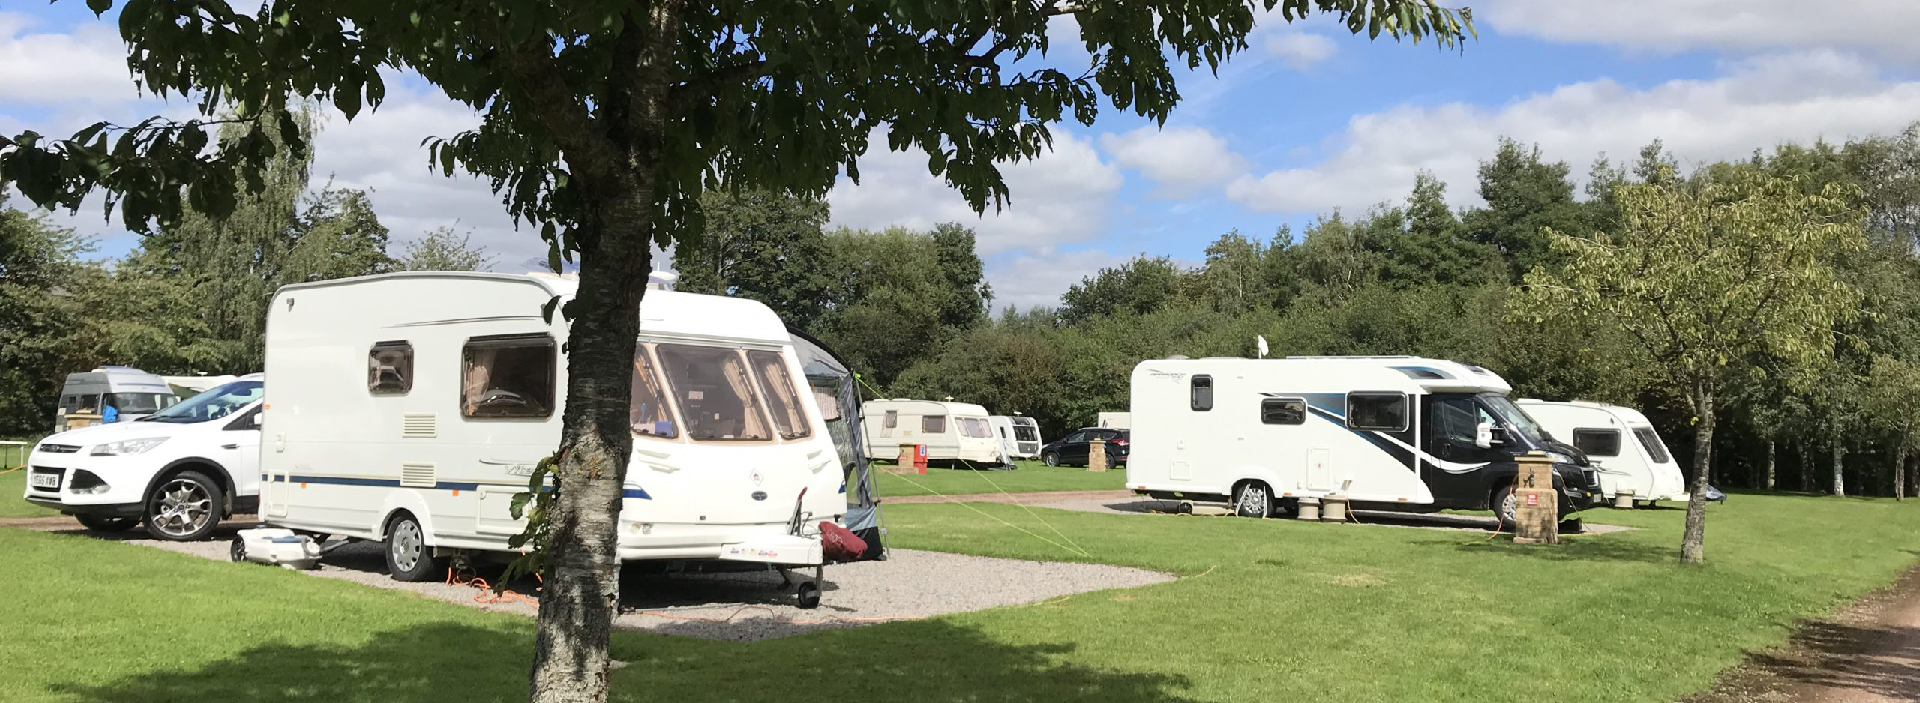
(1483, 435)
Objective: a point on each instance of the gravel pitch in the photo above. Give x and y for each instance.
(742, 606)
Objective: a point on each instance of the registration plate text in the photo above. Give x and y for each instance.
(47, 481)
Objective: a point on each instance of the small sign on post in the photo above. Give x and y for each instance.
(1536, 511)
(1097, 455)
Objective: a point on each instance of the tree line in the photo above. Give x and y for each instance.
(1415, 277)
(191, 297)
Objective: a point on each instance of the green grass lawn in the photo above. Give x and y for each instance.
(1269, 610)
(12, 485)
(1030, 477)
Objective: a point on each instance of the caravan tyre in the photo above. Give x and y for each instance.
(408, 556)
(1251, 499)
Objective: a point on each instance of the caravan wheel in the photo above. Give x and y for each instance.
(1251, 499)
(408, 556)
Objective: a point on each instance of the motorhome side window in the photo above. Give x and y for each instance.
(648, 414)
(1283, 411)
(782, 398)
(1377, 411)
(715, 392)
(507, 376)
(1597, 442)
(390, 367)
(1202, 392)
(933, 424)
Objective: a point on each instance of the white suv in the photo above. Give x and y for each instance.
(181, 470)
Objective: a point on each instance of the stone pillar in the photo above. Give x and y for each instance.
(1536, 505)
(1097, 455)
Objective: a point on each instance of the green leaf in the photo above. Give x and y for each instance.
(99, 7)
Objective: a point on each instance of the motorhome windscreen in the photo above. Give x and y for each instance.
(1656, 449)
(1513, 417)
(783, 400)
(139, 403)
(975, 427)
(508, 376)
(648, 412)
(714, 391)
(211, 405)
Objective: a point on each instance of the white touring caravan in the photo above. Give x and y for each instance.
(1018, 434)
(1620, 442)
(953, 432)
(1396, 433)
(415, 406)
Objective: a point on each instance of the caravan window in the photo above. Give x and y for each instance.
(507, 376)
(975, 427)
(715, 392)
(782, 399)
(1651, 440)
(648, 412)
(1201, 392)
(1597, 442)
(1026, 433)
(1283, 411)
(390, 367)
(933, 424)
(893, 419)
(1377, 411)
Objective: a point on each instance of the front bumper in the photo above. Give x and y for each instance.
(123, 497)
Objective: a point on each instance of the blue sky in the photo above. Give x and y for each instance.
(1307, 120)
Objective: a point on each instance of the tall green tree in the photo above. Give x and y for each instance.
(1526, 195)
(43, 330)
(1705, 277)
(965, 302)
(764, 245)
(443, 249)
(1141, 285)
(604, 120)
(1892, 398)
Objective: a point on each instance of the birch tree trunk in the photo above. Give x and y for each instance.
(1770, 465)
(1839, 466)
(1900, 472)
(1693, 542)
(581, 594)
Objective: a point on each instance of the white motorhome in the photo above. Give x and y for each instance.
(1398, 433)
(129, 392)
(1621, 443)
(952, 432)
(1018, 434)
(1114, 421)
(416, 405)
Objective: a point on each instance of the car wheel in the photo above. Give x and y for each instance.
(1505, 508)
(105, 523)
(408, 556)
(185, 507)
(1050, 459)
(1251, 499)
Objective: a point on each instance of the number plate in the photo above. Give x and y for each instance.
(48, 481)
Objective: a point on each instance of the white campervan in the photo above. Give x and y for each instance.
(1402, 433)
(1019, 435)
(952, 432)
(1621, 443)
(415, 405)
(111, 394)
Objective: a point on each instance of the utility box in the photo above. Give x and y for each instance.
(1536, 513)
(912, 459)
(1097, 455)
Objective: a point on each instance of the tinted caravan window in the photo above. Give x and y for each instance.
(1283, 411)
(1597, 442)
(1202, 392)
(714, 391)
(1377, 411)
(507, 376)
(390, 367)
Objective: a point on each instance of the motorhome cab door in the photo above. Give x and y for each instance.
(1450, 422)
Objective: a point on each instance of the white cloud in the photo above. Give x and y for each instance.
(1038, 278)
(1757, 102)
(1886, 27)
(1299, 50)
(1062, 196)
(1180, 159)
(86, 65)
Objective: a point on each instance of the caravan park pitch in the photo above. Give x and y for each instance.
(1264, 609)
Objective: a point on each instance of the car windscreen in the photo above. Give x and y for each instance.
(139, 403)
(211, 405)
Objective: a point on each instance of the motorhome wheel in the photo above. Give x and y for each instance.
(184, 507)
(105, 523)
(1251, 499)
(408, 556)
(1505, 508)
(809, 593)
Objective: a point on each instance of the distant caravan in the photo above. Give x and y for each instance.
(1622, 444)
(1019, 435)
(416, 405)
(1393, 433)
(954, 433)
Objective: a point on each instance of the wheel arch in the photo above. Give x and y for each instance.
(411, 503)
(211, 468)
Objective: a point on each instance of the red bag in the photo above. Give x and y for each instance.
(840, 544)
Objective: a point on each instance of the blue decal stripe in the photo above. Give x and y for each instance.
(440, 486)
(635, 492)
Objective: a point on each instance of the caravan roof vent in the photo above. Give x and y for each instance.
(1422, 372)
(1178, 357)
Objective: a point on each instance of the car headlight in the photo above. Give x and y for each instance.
(1559, 458)
(127, 446)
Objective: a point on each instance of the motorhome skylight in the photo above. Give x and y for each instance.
(1422, 372)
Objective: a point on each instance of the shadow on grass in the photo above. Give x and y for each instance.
(1883, 662)
(451, 663)
(1579, 548)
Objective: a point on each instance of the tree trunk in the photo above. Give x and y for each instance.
(1900, 472)
(1770, 465)
(581, 593)
(1806, 467)
(1839, 464)
(1693, 542)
